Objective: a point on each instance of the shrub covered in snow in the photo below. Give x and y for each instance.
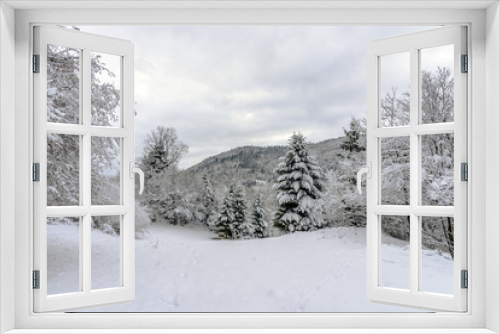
(142, 220)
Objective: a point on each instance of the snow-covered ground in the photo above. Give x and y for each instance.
(186, 269)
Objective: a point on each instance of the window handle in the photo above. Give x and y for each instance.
(136, 170)
(365, 170)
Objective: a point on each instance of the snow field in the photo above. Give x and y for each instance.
(186, 269)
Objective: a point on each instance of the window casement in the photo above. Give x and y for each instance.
(479, 96)
(70, 139)
(414, 130)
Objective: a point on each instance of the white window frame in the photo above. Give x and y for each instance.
(86, 297)
(375, 132)
(483, 21)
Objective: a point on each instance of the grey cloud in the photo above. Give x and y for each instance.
(222, 87)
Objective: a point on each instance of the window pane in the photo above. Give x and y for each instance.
(63, 255)
(63, 170)
(395, 170)
(395, 252)
(63, 84)
(106, 161)
(437, 84)
(395, 89)
(437, 169)
(437, 254)
(106, 246)
(106, 89)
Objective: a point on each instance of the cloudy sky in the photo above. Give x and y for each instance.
(223, 87)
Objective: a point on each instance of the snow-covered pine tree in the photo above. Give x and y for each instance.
(353, 141)
(260, 224)
(299, 184)
(224, 224)
(246, 230)
(239, 205)
(208, 200)
(241, 227)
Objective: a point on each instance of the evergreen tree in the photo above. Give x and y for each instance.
(246, 230)
(299, 185)
(353, 142)
(224, 223)
(208, 200)
(259, 219)
(239, 206)
(241, 227)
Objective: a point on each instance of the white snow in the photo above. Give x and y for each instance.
(186, 269)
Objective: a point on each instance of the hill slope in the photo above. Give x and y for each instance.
(250, 165)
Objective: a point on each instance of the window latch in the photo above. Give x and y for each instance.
(135, 170)
(365, 170)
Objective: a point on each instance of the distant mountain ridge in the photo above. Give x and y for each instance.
(250, 165)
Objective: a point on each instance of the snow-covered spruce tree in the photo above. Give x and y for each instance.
(224, 224)
(260, 224)
(208, 200)
(299, 184)
(239, 205)
(246, 230)
(353, 141)
(242, 228)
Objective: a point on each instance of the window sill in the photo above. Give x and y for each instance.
(252, 331)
